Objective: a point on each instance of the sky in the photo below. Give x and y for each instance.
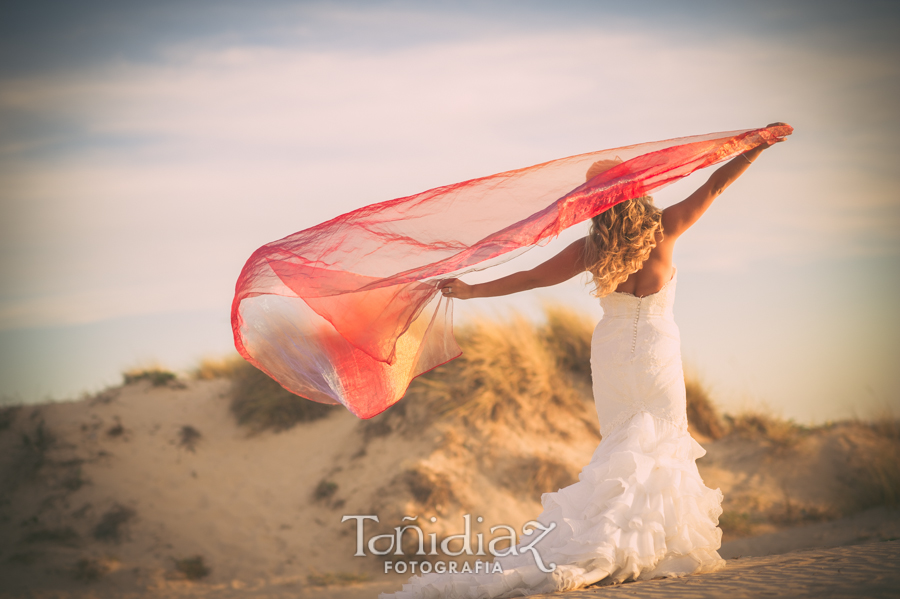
(146, 149)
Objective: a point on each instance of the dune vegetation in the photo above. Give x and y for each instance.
(518, 382)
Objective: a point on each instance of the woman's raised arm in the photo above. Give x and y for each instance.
(679, 217)
(561, 267)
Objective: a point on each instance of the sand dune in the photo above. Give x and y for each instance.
(155, 490)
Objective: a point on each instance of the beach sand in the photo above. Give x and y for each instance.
(870, 570)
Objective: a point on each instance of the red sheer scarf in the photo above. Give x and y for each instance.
(349, 312)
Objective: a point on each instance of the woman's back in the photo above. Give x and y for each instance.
(656, 270)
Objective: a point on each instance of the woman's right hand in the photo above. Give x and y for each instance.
(456, 288)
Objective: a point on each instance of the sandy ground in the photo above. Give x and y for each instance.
(113, 481)
(869, 570)
(880, 524)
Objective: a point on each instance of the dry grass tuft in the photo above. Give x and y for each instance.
(7, 417)
(336, 579)
(73, 479)
(567, 334)
(780, 434)
(89, 570)
(105, 397)
(532, 476)
(325, 490)
(793, 515)
(219, 368)
(260, 404)
(116, 430)
(432, 491)
(29, 457)
(511, 372)
(876, 479)
(879, 483)
(885, 426)
(111, 528)
(192, 568)
(189, 437)
(701, 412)
(384, 424)
(737, 524)
(158, 377)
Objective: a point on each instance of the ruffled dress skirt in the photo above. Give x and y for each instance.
(639, 511)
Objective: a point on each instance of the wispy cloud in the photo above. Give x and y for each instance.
(125, 178)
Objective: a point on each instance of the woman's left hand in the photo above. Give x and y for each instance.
(456, 288)
(777, 139)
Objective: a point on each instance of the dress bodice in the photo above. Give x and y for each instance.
(624, 305)
(636, 358)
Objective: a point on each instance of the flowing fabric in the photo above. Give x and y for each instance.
(348, 311)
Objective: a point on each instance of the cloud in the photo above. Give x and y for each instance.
(133, 188)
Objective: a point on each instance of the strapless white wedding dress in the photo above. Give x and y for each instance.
(639, 509)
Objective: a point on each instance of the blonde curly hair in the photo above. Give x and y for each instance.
(620, 239)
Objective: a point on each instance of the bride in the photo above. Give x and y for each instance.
(640, 509)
